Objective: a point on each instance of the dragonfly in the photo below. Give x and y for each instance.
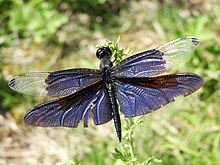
(136, 86)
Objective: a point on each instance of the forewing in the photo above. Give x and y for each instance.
(69, 111)
(138, 96)
(156, 61)
(53, 84)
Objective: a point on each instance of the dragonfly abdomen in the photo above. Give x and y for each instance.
(114, 106)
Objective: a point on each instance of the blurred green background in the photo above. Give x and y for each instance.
(39, 35)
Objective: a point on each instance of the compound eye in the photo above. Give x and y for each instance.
(98, 52)
(103, 51)
(108, 51)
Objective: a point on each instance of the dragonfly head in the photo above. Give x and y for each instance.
(103, 52)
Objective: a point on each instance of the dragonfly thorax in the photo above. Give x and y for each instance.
(105, 63)
(105, 67)
(104, 54)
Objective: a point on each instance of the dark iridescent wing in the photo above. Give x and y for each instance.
(138, 96)
(53, 84)
(156, 61)
(69, 110)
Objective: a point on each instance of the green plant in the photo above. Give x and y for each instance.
(37, 20)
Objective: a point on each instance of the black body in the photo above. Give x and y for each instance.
(104, 54)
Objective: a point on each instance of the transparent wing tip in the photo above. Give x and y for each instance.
(194, 40)
(12, 82)
(29, 83)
